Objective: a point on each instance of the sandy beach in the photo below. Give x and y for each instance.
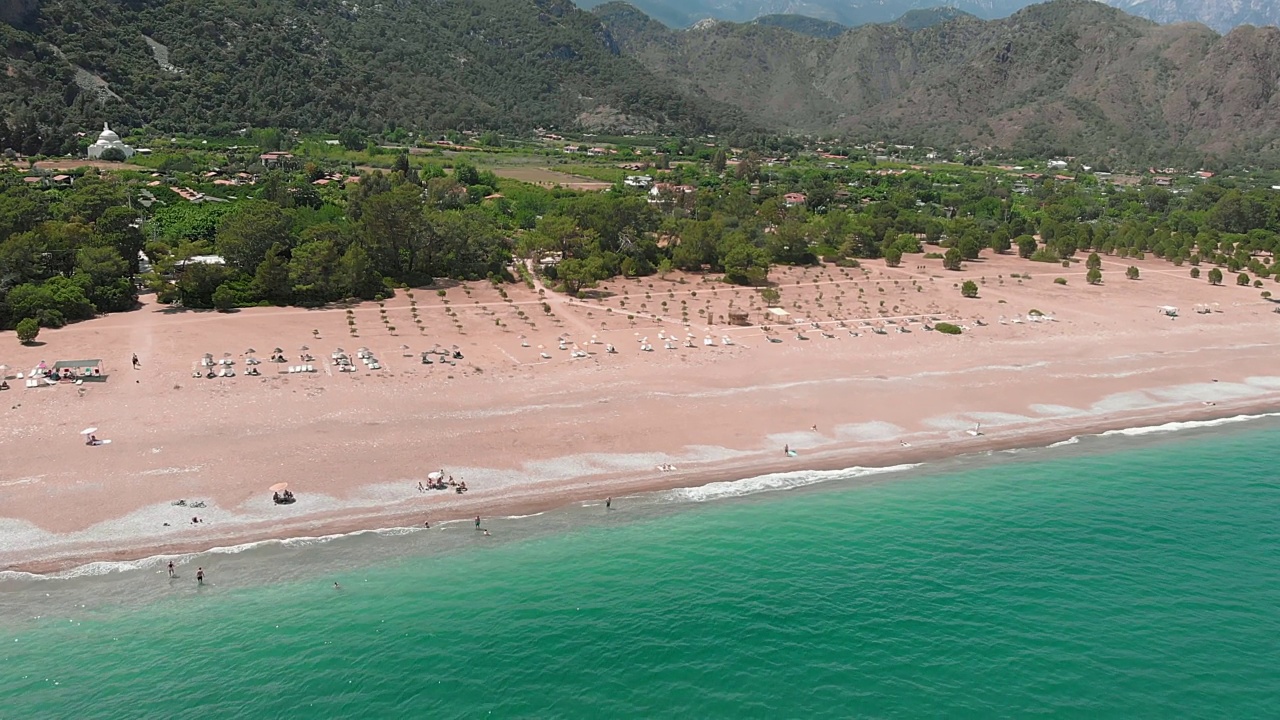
(537, 413)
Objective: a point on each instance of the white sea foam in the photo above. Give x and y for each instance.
(1191, 424)
(775, 481)
(1069, 441)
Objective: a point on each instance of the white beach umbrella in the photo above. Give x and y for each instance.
(89, 431)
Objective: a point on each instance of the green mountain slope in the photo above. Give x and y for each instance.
(803, 25)
(1068, 75)
(217, 65)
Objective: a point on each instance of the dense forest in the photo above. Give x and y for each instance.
(217, 66)
(70, 252)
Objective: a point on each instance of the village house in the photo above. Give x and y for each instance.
(793, 199)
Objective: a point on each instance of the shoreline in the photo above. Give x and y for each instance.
(561, 400)
(597, 487)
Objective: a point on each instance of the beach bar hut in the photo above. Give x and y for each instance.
(79, 369)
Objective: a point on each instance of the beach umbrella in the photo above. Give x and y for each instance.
(304, 348)
(279, 350)
(250, 351)
(89, 431)
(279, 487)
(435, 475)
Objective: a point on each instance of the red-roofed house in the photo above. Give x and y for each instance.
(794, 199)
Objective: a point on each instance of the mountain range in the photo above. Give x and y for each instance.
(1064, 77)
(1221, 15)
(1070, 76)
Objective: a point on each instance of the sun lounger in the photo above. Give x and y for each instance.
(33, 383)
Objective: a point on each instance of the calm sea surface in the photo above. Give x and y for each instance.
(1120, 577)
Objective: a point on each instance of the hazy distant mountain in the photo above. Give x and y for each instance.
(1221, 15)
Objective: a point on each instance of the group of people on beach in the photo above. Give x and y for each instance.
(284, 498)
(437, 481)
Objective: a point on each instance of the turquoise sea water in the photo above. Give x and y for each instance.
(1129, 577)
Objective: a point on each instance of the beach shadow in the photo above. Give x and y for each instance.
(35, 343)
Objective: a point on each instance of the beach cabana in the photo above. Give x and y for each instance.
(79, 369)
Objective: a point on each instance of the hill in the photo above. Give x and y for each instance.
(216, 66)
(928, 17)
(803, 25)
(1068, 76)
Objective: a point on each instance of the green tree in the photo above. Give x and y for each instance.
(1093, 262)
(969, 289)
(718, 161)
(271, 278)
(893, 257)
(112, 155)
(952, 259)
(1132, 273)
(1026, 246)
(351, 139)
(1195, 273)
(1094, 276)
(28, 330)
(224, 298)
(245, 236)
(1215, 276)
(1242, 279)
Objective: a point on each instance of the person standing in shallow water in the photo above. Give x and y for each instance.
(608, 503)
(199, 576)
(477, 521)
(171, 569)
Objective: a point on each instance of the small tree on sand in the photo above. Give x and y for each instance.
(1215, 277)
(969, 289)
(893, 257)
(952, 259)
(1094, 276)
(1242, 279)
(28, 329)
(1093, 262)
(1131, 273)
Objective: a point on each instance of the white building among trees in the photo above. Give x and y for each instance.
(108, 140)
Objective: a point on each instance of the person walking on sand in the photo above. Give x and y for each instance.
(608, 503)
(786, 449)
(135, 361)
(199, 576)
(171, 573)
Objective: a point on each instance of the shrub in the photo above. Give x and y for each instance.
(1195, 272)
(952, 259)
(948, 328)
(969, 289)
(893, 257)
(1060, 281)
(1242, 280)
(1132, 273)
(28, 329)
(1094, 276)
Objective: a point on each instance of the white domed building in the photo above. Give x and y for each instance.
(106, 141)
